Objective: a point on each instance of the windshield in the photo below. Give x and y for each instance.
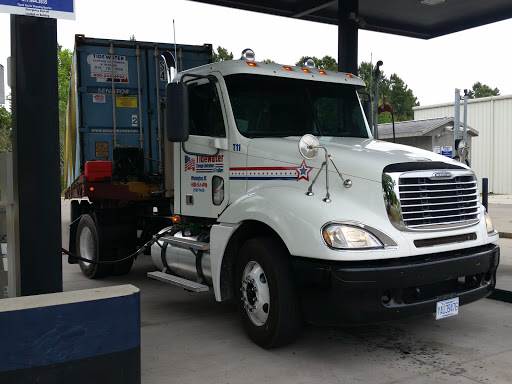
(265, 106)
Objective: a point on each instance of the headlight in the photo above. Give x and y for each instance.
(488, 223)
(349, 237)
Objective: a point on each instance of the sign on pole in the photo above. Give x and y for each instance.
(53, 9)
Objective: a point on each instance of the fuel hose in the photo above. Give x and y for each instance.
(148, 244)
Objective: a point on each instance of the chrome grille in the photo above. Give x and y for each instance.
(430, 202)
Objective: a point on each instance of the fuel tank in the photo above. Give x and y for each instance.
(181, 261)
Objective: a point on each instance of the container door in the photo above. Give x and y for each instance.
(205, 157)
(106, 120)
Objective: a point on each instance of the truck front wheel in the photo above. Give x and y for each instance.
(87, 247)
(267, 298)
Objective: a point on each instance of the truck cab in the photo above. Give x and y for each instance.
(306, 215)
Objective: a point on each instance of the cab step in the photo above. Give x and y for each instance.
(178, 281)
(180, 242)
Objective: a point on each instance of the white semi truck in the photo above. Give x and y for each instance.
(282, 201)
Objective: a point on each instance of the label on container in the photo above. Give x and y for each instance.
(101, 149)
(101, 67)
(126, 102)
(97, 98)
(163, 72)
(118, 130)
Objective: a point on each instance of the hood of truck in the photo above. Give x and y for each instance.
(354, 157)
(278, 180)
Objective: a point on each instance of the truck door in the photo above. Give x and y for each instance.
(205, 156)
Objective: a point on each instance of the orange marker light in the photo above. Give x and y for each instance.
(349, 75)
(251, 64)
(327, 238)
(176, 219)
(305, 70)
(322, 72)
(288, 68)
(92, 189)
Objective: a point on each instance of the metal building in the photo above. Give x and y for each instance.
(491, 156)
(434, 135)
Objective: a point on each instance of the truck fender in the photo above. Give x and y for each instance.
(219, 238)
(287, 211)
(259, 214)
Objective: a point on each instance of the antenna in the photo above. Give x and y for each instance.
(176, 57)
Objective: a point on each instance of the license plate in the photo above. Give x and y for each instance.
(447, 308)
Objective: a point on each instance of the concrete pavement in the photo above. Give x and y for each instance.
(500, 210)
(189, 338)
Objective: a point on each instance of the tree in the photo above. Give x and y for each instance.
(327, 62)
(392, 91)
(401, 99)
(482, 90)
(5, 119)
(5, 129)
(132, 38)
(367, 74)
(222, 54)
(64, 60)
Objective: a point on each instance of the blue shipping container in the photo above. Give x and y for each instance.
(96, 122)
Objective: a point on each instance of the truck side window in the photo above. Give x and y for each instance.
(205, 112)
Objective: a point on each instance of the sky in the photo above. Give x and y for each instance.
(431, 68)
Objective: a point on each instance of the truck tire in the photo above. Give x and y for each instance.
(268, 303)
(88, 247)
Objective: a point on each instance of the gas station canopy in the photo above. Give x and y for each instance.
(423, 19)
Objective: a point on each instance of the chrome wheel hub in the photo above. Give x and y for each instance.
(255, 293)
(86, 245)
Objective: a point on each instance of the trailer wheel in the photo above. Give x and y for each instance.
(267, 297)
(87, 247)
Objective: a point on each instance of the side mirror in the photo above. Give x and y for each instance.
(308, 146)
(177, 118)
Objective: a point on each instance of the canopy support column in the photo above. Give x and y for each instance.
(348, 14)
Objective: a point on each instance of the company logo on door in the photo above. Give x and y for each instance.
(205, 164)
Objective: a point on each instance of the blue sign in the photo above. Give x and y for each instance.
(54, 9)
(447, 151)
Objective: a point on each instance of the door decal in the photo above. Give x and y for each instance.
(271, 173)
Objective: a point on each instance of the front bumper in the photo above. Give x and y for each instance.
(350, 293)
